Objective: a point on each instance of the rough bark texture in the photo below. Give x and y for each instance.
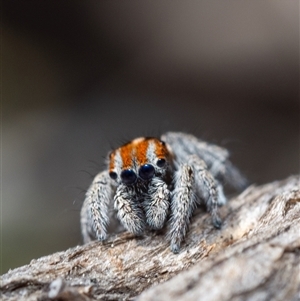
(255, 256)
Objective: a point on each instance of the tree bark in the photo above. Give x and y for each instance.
(255, 256)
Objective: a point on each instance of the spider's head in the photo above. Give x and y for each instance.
(139, 160)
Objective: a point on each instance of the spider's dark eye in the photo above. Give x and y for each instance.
(128, 176)
(113, 175)
(146, 171)
(161, 162)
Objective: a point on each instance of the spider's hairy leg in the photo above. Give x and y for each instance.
(129, 210)
(183, 204)
(185, 144)
(207, 188)
(225, 171)
(94, 212)
(215, 157)
(156, 203)
(86, 222)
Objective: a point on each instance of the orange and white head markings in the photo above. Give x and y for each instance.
(141, 158)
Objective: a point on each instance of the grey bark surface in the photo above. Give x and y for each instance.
(255, 256)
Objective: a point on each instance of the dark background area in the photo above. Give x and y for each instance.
(80, 77)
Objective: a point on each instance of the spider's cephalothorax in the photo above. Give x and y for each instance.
(150, 180)
(139, 161)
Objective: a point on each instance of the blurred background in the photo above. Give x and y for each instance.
(81, 77)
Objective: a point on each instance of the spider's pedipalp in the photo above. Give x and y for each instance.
(94, 213)
(206, 188)
(129, 209)
(182, 205)
(156, 203)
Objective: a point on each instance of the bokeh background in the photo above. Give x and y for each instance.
(81, 77)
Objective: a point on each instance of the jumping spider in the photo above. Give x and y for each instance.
(153, 180)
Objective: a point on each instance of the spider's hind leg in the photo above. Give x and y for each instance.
(210, 191)
(215, 157)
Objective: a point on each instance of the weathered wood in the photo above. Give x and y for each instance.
(255, 256)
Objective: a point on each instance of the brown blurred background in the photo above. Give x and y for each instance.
(80, 77)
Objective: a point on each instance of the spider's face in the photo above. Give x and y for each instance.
(139, 160)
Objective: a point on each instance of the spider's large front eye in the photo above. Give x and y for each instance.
(146, 171)
(128, 176)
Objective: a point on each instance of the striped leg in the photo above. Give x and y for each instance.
(94, 212)
(207, 189)
(215, 157)
(182, 205)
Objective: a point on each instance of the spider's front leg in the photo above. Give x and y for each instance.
(94, 213)
(156, 203)
(129, 210)
(182, 205)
